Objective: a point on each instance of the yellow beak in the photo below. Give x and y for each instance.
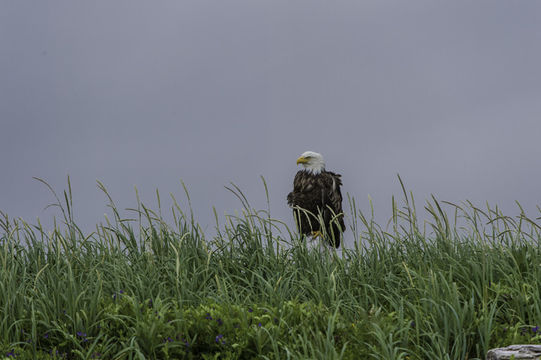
(302, 160)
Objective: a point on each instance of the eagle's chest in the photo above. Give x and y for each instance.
(311, 192)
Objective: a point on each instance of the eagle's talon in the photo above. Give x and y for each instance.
(316, 234)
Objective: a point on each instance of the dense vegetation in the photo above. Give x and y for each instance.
(450, 288)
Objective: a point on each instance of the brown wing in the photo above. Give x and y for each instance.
(305, 189)
(333, 216)
(333, 194)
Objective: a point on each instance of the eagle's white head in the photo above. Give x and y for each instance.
(312, 162)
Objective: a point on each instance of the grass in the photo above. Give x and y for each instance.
(452, 287)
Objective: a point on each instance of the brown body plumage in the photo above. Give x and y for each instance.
(317, 203)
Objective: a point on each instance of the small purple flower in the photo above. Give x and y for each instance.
(259, 325)
(82, 335)
(250, 310)
(46, 335)
(208, 317)
(412, 324)
(219, 339)
(219, 321)
(11, 353)
(179, 338)
(535, 329)
(120, 292)
(169, 339)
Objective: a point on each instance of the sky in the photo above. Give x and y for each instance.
(140, 94)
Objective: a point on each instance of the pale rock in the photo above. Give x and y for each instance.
(520, 352)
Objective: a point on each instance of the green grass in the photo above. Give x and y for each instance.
(452, 287)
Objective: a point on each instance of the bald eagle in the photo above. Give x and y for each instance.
(316, 200)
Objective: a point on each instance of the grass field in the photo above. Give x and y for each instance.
(451, 288)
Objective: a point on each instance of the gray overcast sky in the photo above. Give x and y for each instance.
(145, 93)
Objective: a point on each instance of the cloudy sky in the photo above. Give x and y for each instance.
(145, 94)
